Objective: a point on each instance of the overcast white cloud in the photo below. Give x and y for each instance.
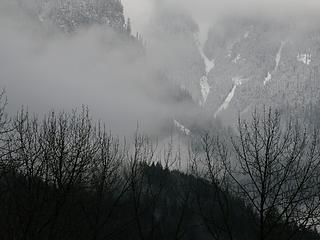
(206, 11)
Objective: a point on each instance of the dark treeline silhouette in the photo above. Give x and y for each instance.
(64, 177)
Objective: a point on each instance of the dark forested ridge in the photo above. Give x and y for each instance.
(64, 177)
(164, 205)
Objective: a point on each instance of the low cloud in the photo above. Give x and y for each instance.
(43, 69)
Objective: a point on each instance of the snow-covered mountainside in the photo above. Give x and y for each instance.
(244, 62)
(247, 63)
(279, 61)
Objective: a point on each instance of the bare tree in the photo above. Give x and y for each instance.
(139, 157)
(51, 160)
(107, 185)
(274, 165)
(5, 130)
(215, 207)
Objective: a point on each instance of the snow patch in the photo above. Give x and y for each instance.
(41, 19)
(278, 57)
(209, 64)
(237, 58)
(182, 128)
(246, 35)
(205, 89)
(226, 102)
(267, 78)
(304, 58)
(237, 81)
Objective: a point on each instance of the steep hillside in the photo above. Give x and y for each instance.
(262, 62)
(250, 62)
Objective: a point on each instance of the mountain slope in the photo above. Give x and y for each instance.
(278, 63)
(250, 62)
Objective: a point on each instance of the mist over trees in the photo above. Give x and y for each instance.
(179, 143)
(67, 177)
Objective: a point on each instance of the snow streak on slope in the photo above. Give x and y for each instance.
(205, 89)
(209, 65)
(304, 58)
(268, 78)
(237, 58)
(278, 57)
(237, 82)
(182, 128)
(246, 35)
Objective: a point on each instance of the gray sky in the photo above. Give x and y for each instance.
(205, 11)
